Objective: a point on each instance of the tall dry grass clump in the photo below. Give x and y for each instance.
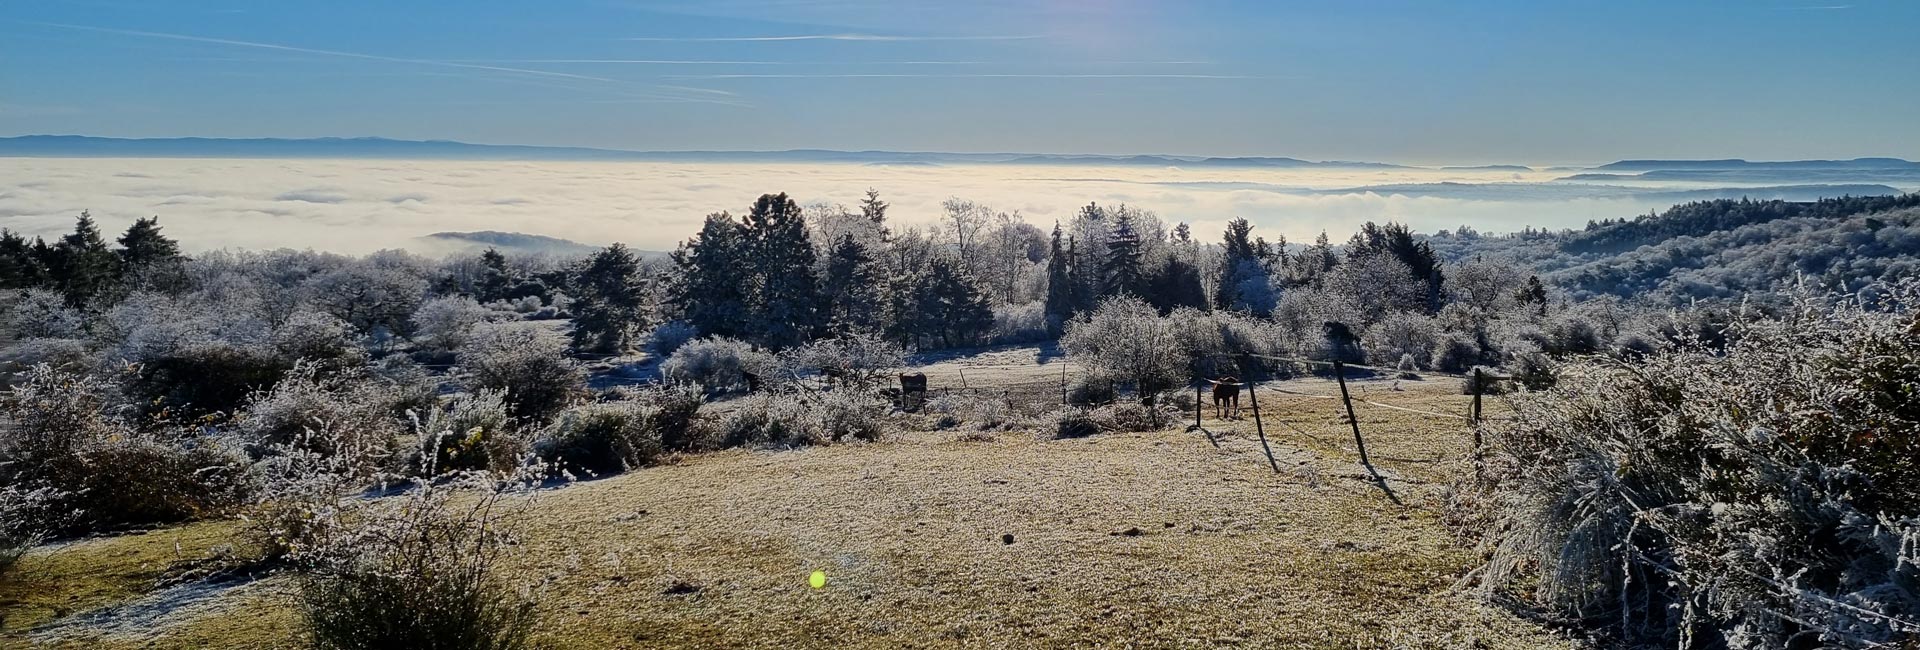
(1766, 495)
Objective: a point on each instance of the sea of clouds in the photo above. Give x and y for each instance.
(358, 206)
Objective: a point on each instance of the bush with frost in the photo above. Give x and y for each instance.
(861, 360)
(531, 363)
(64, 441)
(1126, 341)
(356, 408)
(666, 338)
(470, 432)
(420, 570)
(443, 323)
(719, 364)
(1764, 494)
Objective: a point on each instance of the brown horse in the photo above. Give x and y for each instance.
(1226, 394)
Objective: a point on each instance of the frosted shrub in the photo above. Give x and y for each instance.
(789, 420)
(39, 313)
(600, 439)
(854, 359)
(769, 419)
(1126, 340)
(1133, 416)
(666, 338)
(356, 407)
(63, 354)
(443, 323)
(1455, 352)
(1024, 323)
(1764, 496)
(676, 409)
(61, 442)
(843, 414)
(415, 571)
(471, 432)
(318, 339)
(26, 517)
(976, 412)
(718, 364)
(1400, 334)
(527, 361)
(1071, 422)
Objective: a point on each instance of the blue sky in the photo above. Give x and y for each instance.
(1465, 81)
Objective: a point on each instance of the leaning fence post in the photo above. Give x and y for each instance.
(1258, 427)
(1340, 375)
(1479, 386)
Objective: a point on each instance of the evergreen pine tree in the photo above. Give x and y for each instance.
(81, 264)
(20, 267)
(1176, 284)
(851, 288)
(1534, 294)
(1236, 247)
(951, 307)
(609, 307)
(1121, 273)
(144, 246)
(495, 280)
(875, 210)
(711, 292)
(784, 305)
(1060, 298)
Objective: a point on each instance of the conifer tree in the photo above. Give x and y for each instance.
(951, 308)
(81, 264)
(144, 246)
(610, 305)
(1060, 294)
(1237, 248)
(851, 288)
(20, 266)
(495, 280)
(711, 293)
(1176, 284)
(784, 304)
(1121, 272)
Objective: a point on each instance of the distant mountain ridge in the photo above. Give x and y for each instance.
(90, 146)
(1736, 164)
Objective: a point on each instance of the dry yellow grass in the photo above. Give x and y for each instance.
(1138, 540)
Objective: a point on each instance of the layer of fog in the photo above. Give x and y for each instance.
(360, 206)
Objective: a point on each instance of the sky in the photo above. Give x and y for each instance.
(1453, 82)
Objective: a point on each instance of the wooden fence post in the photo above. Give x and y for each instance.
(1340, 375)
(1063, 383)
(1258, 427)
(1479, 386)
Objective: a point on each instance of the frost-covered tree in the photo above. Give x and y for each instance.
(784, 306)
(851, 288)
(1126, 340)
(714, 278)
(610, 301)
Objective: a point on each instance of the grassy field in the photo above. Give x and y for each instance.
(934, 539)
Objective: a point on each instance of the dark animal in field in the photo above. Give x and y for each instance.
(753, 381)
(1226, 397)
(913, 391)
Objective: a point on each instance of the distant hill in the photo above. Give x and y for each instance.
(1735, 164)
(1717, 249)
(73, 146)
(1489, 168)
(464, 242)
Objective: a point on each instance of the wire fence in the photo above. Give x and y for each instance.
(1227, 387)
